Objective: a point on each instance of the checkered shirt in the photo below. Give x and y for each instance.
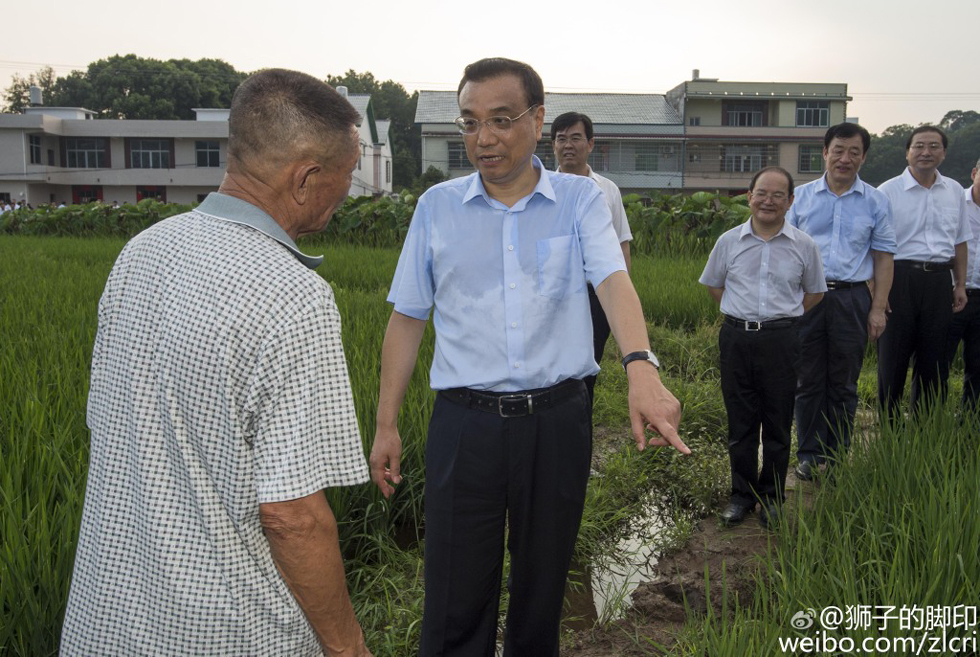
(218, 383)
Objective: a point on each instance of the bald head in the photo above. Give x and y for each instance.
(279, 116)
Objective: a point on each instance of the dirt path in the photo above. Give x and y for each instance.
(658, 606)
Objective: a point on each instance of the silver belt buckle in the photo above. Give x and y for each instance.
(749, 327)
(515, 398)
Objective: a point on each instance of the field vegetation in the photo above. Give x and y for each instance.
(899, 525)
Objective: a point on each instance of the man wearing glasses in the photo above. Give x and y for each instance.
(503, 256)
(572, 139)
(765, 274)
(850, 222)
(931, 232)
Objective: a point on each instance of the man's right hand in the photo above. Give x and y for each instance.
(385, 460)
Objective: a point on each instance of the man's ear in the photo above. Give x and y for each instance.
(302, 178)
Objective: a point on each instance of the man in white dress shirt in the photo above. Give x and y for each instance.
(573, 138)
(966, 324)
(931, 232)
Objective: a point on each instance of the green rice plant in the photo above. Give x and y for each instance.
(669, 290)
(897, 527)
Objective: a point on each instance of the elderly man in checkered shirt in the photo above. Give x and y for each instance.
(220, 408)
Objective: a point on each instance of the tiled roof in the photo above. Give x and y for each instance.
(633, 109)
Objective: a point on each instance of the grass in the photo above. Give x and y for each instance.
(898, 527)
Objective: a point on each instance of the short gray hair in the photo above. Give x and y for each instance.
(277, 114)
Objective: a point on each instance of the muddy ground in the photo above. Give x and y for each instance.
(658, 610)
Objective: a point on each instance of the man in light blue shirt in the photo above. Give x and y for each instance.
(765, 274)
(850, 222)
(503, 257)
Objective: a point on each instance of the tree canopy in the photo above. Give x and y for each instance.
(392, 102)
(886, 159)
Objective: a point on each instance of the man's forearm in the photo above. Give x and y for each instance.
(302, 537)
(398, 355)
(622, 307)
(884, 271)
(625, 246)
(810, 299)
(959, 265)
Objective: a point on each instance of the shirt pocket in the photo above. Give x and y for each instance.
(948, 225)
(860, 230)
(555, 261)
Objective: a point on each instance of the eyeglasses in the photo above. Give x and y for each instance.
(775, 197)
(498, 124)
(920, 146)
(574, 140)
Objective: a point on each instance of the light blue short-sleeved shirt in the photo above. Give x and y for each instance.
(764, 280)
(846, 228)
(508, 285)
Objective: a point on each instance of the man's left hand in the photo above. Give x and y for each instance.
(653, 406)
(877, 319)
(959, 298)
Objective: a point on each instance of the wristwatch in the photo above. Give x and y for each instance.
(641, 355)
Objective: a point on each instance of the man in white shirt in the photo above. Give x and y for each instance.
(931, 232)
(573, 138)
(966, 324)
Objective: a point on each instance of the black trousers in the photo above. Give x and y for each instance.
(600, 335)
(965, 327)
(922, 309)
(483, 470)
(758, 383)
(833, 337)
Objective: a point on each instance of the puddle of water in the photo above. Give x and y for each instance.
(604, 589)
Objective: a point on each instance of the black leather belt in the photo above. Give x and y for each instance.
(514, 404)
(843, 285)
(972, 292)
(749, 325)
(925, 266)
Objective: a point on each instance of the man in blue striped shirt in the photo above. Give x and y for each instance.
(851, 223)
(502, 258)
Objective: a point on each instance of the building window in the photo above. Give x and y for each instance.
(208, 153)
(149, 153)
(747, 158)
(457, 155)
(156, 192)
(646, 158)
(387, 171)
(599, 157)
(813, 113)
(81, 194)
(811, 159)
(90, 153)
(742, 115)
(694, 120)
(35, 144)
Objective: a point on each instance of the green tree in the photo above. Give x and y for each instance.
(131, 87)
(17, 96)
(392, 102)
(886, 157)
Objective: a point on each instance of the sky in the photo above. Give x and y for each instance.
(903, 61)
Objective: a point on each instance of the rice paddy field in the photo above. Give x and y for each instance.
(902, 525)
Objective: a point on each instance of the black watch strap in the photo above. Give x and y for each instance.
(641, 355)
